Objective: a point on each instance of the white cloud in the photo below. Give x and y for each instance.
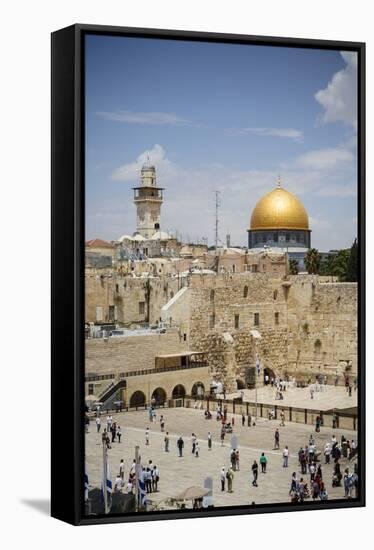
(289, 133)
(131, 171)
(322, 159)
(316, 177)
(339, 98)
(154, 118)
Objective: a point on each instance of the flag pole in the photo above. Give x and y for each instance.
(256, 374)
(137, 467)
(105, 475)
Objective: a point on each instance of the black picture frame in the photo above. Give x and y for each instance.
(68, 199)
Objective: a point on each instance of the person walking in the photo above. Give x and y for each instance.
(237, 460)
(249, 422)
(230, 479)
(263, 462)
(293, 487)
(119, 433)
(98, 423)
(282, 418)
(166, 441)
(222, 436)
(180, 445)
(223, 478)
(155, 479)
(276, 439)
(118, 484)
(243, 419)
(122, 469)
(209, 441)
(193, 440)
(162, 423)
(147, 436)
(197, 449)
(254, 473)
(286, 454)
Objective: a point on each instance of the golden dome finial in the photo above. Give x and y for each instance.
(279, 180)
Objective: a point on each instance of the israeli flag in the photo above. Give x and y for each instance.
(109, 487)
(86, 486)
(142, 491)
(258, 369)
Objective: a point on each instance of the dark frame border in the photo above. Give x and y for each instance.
(68, 230)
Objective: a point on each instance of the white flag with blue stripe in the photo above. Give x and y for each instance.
(109, 486)
(142, 491)
(86, 486)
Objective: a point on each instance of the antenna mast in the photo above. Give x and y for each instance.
(218, 204)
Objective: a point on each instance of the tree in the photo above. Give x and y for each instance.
(352, 264)
(312, 261)
(293, 266)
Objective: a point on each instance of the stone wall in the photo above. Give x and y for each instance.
(322, 327)
(105, 288)
(129, 353)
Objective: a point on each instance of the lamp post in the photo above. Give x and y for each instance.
(256, 336)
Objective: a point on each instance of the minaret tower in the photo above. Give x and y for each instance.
(148, 200)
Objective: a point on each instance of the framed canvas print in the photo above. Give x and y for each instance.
(207, 274)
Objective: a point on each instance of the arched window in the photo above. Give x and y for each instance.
(178, 391)
(198, 390)
(137, 399)
(159, 395)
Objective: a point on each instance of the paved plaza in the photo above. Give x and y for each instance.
(177, 474)
(328, 398)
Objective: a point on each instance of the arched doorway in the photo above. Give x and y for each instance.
(178, 391)
(137, 399)
(198, 390)
(159, 395)
(240, 384)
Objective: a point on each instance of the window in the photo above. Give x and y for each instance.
(275, 237)
(276, 317)
(90, 389)
(212, 295)
(257, 319)
(157, 226)
(233, 268)
(245, 292)
(254, 269)
(236, 320)
(99, 313)
(212, 320)
(184, 337)
(275, 294)
(111, 313)
(117, 288)
(141, 308)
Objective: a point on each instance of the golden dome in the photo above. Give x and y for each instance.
(279, 209)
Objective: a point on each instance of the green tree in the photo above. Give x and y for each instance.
(352, 264)
(293, 266)
(312, 261)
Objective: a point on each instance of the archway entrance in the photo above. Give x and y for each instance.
(178, 391)
(198, 390)
(159, 396)
(137, 399)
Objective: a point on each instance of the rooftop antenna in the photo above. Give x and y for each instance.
(218, 204)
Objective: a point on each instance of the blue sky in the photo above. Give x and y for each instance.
(219, 117)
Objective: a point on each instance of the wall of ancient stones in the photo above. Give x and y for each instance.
(105, 288)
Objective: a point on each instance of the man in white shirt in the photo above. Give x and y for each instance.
(286, 454)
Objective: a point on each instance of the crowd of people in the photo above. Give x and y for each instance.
(309, 483)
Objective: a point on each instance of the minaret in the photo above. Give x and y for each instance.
(148, 200)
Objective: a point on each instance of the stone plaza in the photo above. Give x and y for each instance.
(177, 474)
